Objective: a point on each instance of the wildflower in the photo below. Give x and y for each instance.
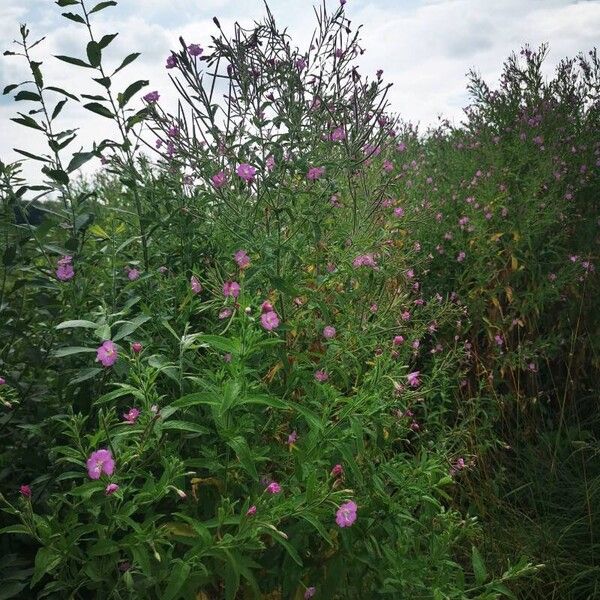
(64, 270)
(413, 379)
(269, 320)
(405, 316)
(231, 288)
(300, 64)
(242, 259)
(100, 461)
(338, 134)
(461, 256)
(273, 488)
(25, 491)
(107, 354)
(312, 590)
(337, 470)
(388, 166)
(329, 332)
(219, 179)
(246, 172)
(131, 416)
(152, 97)
(315, 173)
(171, 62)
(498, 339)
(346, 514)
(266, 307)
(398, 340)
(251, 511)
(195, 284)
(225, 313)
(195, 50)
(136, 347)
(292, 437)
(2, 381)
(270, 163)
(374, 307)
(399, 212)
(133, 274)
(365, 260)
(111, 488)
(321, 375)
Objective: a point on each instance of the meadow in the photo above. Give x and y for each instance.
(282, 344)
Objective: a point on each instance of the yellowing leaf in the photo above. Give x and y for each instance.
(514, 263)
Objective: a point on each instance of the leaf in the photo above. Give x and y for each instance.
(25, 95)
(61, 91)
(221, 343)
(73, 61)
(478, 566)
(195, 399)
(94, 53)
(184, 426)
(242, 451)
(177, 578)
(79, 159)
(129, 327)
(11, 87)
(63, 3)
(85, 374)
(131, 90)
(99, 109)
(15, 529)
(57, 175)
(74, 17)
(127, 60)
(59, 106)
(102, 5)
(76, 323)
(28, 122)
(46, 560)
(32, 156)
(106, 40)
(69, 350)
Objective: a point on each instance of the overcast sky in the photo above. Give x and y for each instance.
(424, 47)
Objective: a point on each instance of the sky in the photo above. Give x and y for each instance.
(425, 47)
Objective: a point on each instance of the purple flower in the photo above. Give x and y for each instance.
(365, 260)
(337, 470)
(219, 179)
(315, 173)
(270, 163)
(231, 288)
(2, 381)
(64, 270)
(107, 354)
(338, 134)
(413, 379)
(100, 461)
(246, 172)
(398, 340)
(292, 437)
(225, 313)
(195, 284)
(136, 347)
(133, 274)
(273, 488)
(152, 97)
(329, 332)
(269, 320)
(25, 491)
(131, 416)
(300, 64)
(251, 511)
(171, 61)
(242, 259)
(346, 514)
(195, 49)
(111, 488)
(321, 375)
(312, 590)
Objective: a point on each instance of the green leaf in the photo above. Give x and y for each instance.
(106, 40)
(61, 91)
(102, 5)
(126, 96)
(46, 560)
(76, 323)
(94, 53)
(25, 95)
(221, 343)
(127, 60)
(79, 159)
(85, 374)
(15, 529)
(28, 122)
(69, 350)
(99, 109)
(58, 108)
(103, 547)
(478, 566)
(177, 578)
(129, 327)
(184, 426)
(195, 399)
(74, 17)
(73, 61)
(63, 3)
(11, 87)
(32, 156)
(57, 175)
(242, 451)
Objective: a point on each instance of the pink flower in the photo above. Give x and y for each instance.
(231, 288)
(219, 179)
(270, 163)
(269, 320)
(136, 347)
(499, 340)
(310, 592)
(242, 259)
(292, 438)
(346, 514)
(329, 332)
(399, 212)
(65, 271)
(338, 134)
(273, 488)
(337, 470)
(195, 284)
(111, 488)
(225, 313)
(251, 511)
(107, 354)
(398, 340)
(413, 379)
(321, 375)
(195, 49)
(133, 274)
(171, 61)
(388, 166)
(25, 491)
(266, 307)
(2, 381)
(315, 173)
(131, 416)
(364, 260)
(152, 97)
(405, 316)
(100, 461)
(461, 256)
(246, 172)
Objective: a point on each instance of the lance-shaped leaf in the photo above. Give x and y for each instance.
(73, 61)
(94, 53)
(131, 90)
(127, 60)
(99, 109)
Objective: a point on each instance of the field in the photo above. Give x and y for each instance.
(282, 344)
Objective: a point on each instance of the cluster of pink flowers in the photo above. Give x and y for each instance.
(269, 318)
(315, 173)
(242, 259)
(365, 260)
(246, 172)
(64, 270)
